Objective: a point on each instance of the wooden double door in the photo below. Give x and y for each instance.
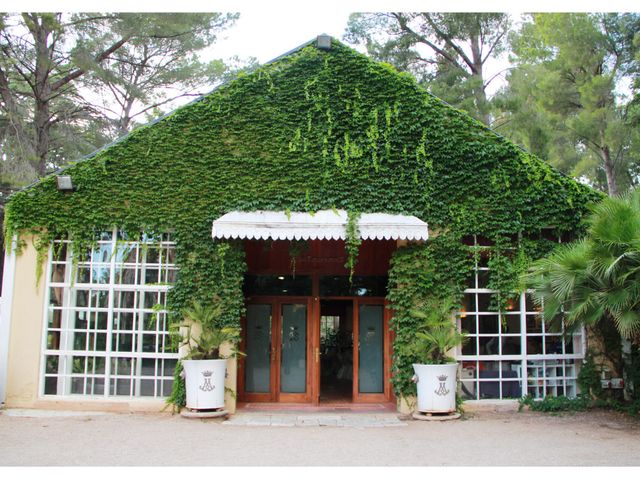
(288, 341)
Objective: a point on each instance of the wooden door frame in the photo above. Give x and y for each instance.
(275, 351)
(312, 394)
(386, 344)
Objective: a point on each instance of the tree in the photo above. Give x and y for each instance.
(150, 72)
(446, 51)
(44, 58)
(598, 278)
(563, 100)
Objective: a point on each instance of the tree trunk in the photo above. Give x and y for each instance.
(612, 184)
(42, 94)
(477, 75)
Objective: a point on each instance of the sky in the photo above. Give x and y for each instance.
(267, 35)
(267, 29)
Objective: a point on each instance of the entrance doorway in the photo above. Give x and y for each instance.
(336, 349)
(313, 335)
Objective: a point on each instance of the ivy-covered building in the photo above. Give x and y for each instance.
(299, 195)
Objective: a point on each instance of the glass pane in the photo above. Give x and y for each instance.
(361, 286)
(293, 369)
(489, 389)
(511, 390)
(51, 364)
(511, 345)
(371, 341)
(511, 324)
(468, 380)
(468, 323)
(50, 385)
(488, 323)
(126, 253)
(470, 346)
(485, 303)
(489, 345)
(553, 344)
(56, 296)
(483, 278)
(55, 318)
(100, 273)
(534, 345)
(469, 302)
(534, 324)
(277, 285)
(258, 344)
(83, 275)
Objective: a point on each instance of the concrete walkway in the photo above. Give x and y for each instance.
(491, 438)
(354, 420)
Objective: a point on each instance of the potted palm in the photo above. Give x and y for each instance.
(435, 374)
(204, 365)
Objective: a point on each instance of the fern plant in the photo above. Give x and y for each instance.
(436, 334)
(198, 331)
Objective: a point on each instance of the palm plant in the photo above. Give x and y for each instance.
(598, 277)
(200, 333)
(436, 334)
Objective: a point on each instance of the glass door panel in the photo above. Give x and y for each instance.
(371, 349)
(257, 348)
(293, 365)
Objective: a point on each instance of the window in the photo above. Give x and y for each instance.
(106, 331)
(512, 353)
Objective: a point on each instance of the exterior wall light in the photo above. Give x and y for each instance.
(324, 42)
(64, 183)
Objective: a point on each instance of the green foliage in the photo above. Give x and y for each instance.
(296, 248)
(447, 52)
(200, 332)
(589, 378)
(632, 374)
(352, 242)
(178, 397)
(314, 130)
(580, 403)
(46, 59)
(556, 404)
(419, 274)
(436, 334)
(597, 278)
(563, 102)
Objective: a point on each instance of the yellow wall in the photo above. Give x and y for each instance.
(25, 331)
(25, 342)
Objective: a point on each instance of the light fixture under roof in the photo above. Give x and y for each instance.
(323, 42)
(64, 183)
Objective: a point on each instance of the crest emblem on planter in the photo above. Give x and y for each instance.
(206, 386)
(442, 390)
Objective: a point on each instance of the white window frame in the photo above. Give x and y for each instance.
(537, 373)
(66, 352)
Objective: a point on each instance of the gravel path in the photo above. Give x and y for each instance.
(483, 438)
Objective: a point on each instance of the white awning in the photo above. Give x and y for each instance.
(323, 225)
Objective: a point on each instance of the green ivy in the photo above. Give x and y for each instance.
(352, 242)
(178, 397)
(437, 269)
(314, 130)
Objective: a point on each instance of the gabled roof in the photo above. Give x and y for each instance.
(311, 130)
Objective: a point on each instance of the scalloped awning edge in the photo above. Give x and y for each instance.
(321, 225)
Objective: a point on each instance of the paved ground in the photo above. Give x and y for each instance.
(483, 438)
(269, 419)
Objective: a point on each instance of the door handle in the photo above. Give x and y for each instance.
(317, 354)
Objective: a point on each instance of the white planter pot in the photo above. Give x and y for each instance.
(436, 387)
(204, 381)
